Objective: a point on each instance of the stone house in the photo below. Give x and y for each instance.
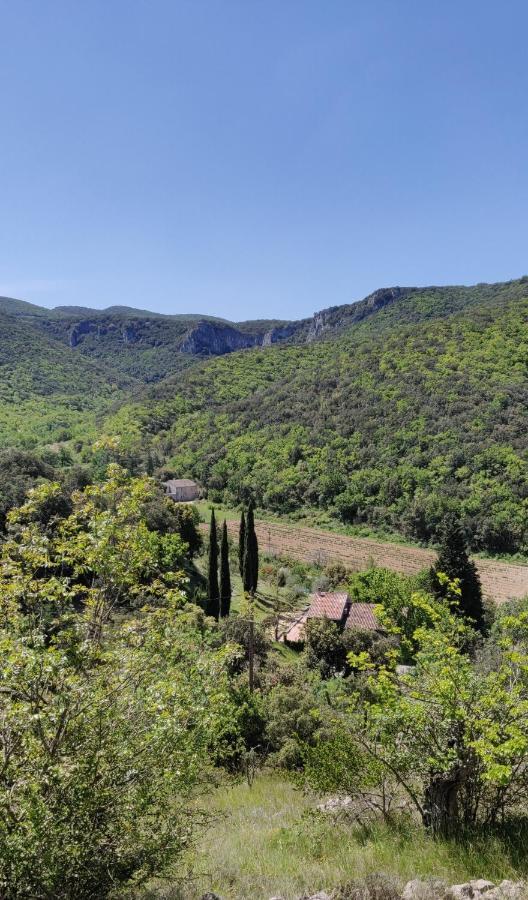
(338, 608)
(182, 490)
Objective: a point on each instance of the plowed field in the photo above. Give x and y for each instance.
(500, 581)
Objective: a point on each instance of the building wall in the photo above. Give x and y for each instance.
(182, 494)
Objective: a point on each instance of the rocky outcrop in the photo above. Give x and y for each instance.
(377, 886)
(319, 324)
(336, 318)
(127, 332)
(280, 333)
(211, 338)
(130, 334)
(79, 330)
(478, 889)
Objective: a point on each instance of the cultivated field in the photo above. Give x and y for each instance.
(500, 581)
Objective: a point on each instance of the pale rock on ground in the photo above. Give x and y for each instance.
(435, 889)
(479, 889)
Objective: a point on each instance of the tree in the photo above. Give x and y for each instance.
(251, 560)
(451, 735)
(453, 561)
(106, 732)
(281, 603)
(242, 544)
(225, 574)
(324, 647)
(213, 590)
(163, 515)
(102, 553)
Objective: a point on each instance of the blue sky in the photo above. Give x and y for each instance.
(259, 158)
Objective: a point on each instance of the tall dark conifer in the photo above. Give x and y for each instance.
(453, 561)
(251, 562)
(213, 591)
(225, 574)
(241, 544)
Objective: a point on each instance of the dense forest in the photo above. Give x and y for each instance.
(412, 412)
(385, 414)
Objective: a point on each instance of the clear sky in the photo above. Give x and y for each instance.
(259, 158)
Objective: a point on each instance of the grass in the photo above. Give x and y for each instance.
(321, 520)
(270, 840)
(303, 518)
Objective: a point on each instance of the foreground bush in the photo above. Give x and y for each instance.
(450, 735)
(105, 732)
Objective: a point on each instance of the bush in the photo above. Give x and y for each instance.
(104, 750)
(294, 720)
(236, 630)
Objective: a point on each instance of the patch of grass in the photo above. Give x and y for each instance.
(269, 840)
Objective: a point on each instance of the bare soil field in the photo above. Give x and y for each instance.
(500, 581)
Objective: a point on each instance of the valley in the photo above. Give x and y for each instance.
(500, 581)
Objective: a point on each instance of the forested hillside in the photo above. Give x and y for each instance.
(141, 345)
(387, 412)
(414, 410)
(46, 393)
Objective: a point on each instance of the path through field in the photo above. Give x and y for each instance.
(500, 581)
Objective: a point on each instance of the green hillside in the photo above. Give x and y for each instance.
(12, 307)
(47, 394)
(136, 343)
(417, 408)
(383, 413)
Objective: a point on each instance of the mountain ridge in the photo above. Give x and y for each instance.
(413, 411)
(384, 413)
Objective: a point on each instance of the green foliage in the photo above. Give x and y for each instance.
(19, 472)
(106, 730)
(412, 405)
(452, 735)
(47, 394)
(270, 841)
(329, 649)
(225, 574)
(453, 562)
(163, 515)
(242, 543)
(294, 719)
(100, 554)
(250, 569)
(213, 590)
(236, 630)
(324, 647)
(412, 412)
(392, 593)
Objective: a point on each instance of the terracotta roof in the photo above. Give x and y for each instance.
(328, 606)
(363, 617)
(295, 633)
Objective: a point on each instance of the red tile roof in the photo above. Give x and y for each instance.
(328, 606)
(363, 617)
(335, 607)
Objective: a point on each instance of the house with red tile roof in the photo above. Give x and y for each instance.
(362, 617)
(331, 606)
(338, 608)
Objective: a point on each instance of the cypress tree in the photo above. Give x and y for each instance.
(254, 561)
(241, 544)
(453, 561)
(225, 575)
(213, 591)
(250, 570)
